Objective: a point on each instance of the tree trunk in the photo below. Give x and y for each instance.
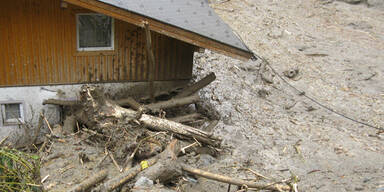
(197, 86)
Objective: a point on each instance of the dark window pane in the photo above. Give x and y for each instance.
(95, 31)
(12, 111)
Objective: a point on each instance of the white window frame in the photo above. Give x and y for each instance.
(15, 121)
(111, 48)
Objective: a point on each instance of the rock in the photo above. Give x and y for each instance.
(69, 124)
(144, 182)
(275, 33)
(376, 3)
(263, 93)
(205, 160)
(354, 1)
(291, 73)
(57, 130)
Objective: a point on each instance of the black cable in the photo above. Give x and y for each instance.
(302, 93)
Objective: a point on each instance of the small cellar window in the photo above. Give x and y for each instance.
(95, 32)
(12, 113)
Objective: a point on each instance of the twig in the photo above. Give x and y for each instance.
(44, 145)
(256, 173)
(46, 121)
(77, 126)
(189, 146)
(101, 161)
(44, 179)
(63, 170)
(238, 182)
(115, 163)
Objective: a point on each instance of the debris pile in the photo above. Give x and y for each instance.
(137, 146)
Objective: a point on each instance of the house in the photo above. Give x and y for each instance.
(49, 48)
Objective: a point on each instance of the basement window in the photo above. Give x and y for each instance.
(95, 32)
(12, 113)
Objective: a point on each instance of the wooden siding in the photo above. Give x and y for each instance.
(38, 47)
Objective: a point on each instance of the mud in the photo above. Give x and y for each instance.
(338, 49)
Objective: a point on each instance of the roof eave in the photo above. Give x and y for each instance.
(163, 28)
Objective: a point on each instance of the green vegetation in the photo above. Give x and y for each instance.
(19, 171)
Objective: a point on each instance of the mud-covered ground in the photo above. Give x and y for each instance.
(338, 50)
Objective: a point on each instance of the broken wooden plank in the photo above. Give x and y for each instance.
(197, 86)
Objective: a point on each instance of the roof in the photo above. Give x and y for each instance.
(192, 15)
(193, 21)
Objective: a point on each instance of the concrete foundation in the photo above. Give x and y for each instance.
(31, 98)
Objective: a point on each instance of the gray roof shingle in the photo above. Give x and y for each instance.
(191, 15)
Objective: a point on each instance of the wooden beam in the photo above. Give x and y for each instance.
(151, 58)
(162, 28)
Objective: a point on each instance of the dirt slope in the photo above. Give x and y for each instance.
(338, 49)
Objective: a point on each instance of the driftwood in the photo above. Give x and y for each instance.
(124, 177)
(129, 102)
(88, 183)
(159, 124)
(234, 181)
(197, 86)
(186, 118)
(60, 102)
(154, 107)
(169, 153)
(176, 102)
(166, 167)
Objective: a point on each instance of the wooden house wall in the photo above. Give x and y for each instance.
(38, 47)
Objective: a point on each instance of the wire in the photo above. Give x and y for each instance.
(302, 93)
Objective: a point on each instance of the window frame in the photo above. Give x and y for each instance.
(15, 121)
(89, 49)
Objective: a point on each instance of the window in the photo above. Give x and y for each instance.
(12, 113)
(95, 32)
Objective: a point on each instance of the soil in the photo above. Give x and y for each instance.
(336, 50)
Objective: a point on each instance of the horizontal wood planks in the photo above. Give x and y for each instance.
(38, 47)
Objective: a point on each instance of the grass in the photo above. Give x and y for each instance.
(19, 171)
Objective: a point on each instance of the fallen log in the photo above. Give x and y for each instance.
(234, 181)
(88, 183)
(60, 102)
(166, 167)
(175, 102)
(123, 178)
(186, 118)
(129, 102)
(170, 152)
(197, 86)
(159, 124)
